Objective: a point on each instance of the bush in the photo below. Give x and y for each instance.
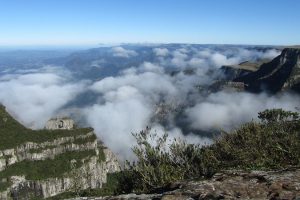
(273, 143)
(159, 163)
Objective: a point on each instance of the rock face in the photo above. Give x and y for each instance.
(60, 123)
(282, 73)
(40, 151)
(92, 174)
(233, 72)
(228, 86)
(24, 165)
(260, 185)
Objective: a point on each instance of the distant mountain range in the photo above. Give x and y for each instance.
(101, 62)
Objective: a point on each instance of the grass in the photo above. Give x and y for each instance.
(12, 133)
(49, 168)
(77, 141)
(4, 186)
(91, 138)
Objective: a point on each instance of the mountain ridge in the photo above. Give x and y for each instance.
(280, 74)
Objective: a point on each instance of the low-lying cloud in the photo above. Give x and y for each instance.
(122, 52)
(147, 94)
(225, 110)
(34, 98)
(161, 51)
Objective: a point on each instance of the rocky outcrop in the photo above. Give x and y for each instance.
(231, 72)
(260, 185)
(93, 174)
(228, 86)
(60, 123)
(282, 73)
(44, 163)
(40, 151)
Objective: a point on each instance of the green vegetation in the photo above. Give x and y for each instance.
(101, 153)
(110, 188)
(4, 186)
(273, 143)
(12, 133)
(78, 141)
(6, 157)
(91, 138)
(40, 150)
(50, 168)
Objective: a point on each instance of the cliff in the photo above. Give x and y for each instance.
(234, 71)
(280, 74)
(44, 163)
(233, 184)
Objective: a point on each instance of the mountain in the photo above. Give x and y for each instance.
(280, 74)
(234, 71)
(36, 164)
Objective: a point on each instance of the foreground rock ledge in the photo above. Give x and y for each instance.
(261, 185)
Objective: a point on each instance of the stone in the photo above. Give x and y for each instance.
(60, 123)
(93, 174)
(233, 184)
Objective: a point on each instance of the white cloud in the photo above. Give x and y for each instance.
(179, 58)
(227, 110)
(197, 62)
(123, 113)
(127, 103)
(150, 67)
(122, 52)
(34, 98)
(161, 51)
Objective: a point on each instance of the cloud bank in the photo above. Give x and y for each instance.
(122, 52)
(35, 98)
(229, 110)
(161, 51)
(152, 93)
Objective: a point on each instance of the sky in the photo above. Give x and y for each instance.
(93, 22)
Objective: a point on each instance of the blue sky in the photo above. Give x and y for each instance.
(90, 22)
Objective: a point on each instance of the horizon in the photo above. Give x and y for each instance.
(108, 45)
(88, 23)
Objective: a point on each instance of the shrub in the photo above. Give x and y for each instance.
(159, 163)
(273, 143)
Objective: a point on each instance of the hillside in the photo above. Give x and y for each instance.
(259, 160)
(282, 73)
(234, 71)
(44, 163)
